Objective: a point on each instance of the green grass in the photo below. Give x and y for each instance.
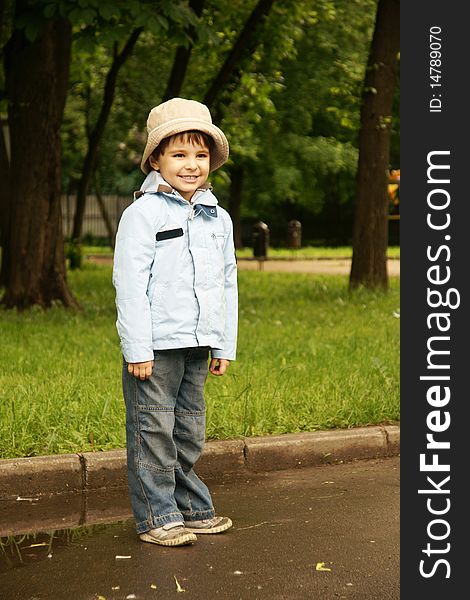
(313, 252)
(307, 252)
(311, 356)
(97, 250)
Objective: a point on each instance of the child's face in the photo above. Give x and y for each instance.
(184, 165)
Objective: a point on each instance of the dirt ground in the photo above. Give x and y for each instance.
(319, 266)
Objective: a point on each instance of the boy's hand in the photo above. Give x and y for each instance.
(141, 370)
(218, 366)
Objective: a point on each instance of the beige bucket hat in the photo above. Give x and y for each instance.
(178, 115)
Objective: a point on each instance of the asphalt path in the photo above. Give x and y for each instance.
(321, 533)
(330, 266)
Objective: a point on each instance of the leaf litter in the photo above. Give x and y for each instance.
(178, 587)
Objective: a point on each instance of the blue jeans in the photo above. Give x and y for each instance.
(165, 430)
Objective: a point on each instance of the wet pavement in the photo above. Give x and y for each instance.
(316, 533)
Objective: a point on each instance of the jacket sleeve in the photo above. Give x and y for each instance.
(133, 257)
(229, 351)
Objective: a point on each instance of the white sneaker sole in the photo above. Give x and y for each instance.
(182, 540)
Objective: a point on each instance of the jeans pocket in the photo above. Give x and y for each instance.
(156, 448)
(189, 433)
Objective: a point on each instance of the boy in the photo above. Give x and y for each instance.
(176, 295)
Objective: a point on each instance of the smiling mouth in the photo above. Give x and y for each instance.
(189, 178)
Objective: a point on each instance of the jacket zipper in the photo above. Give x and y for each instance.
(190, 218)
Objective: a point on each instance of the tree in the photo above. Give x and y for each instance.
(36, 76)
(182, 56)
(6, 24)
(230, 72)
(306, 155)
(240, 93)
(96, 133)
(183, 22)
(239, 29)
(233, 62)
(370, 236)
(36, 66)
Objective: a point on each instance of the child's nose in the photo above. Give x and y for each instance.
(191, 162)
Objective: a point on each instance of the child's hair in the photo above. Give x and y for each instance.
(192, 136)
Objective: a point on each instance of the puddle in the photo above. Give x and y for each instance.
(33, 530)
(17, 551)
(25, 549)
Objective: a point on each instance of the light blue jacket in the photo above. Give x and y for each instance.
(175, 274)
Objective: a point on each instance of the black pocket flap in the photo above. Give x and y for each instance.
(169, 234)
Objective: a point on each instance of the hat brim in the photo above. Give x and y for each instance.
(219, 153)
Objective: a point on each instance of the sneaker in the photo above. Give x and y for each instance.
(171, 534)
(214, 525)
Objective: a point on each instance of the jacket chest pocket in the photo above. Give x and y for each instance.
(218, 239)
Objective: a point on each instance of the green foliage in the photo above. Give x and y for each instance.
(94, 47)
(73, 253)
(292, 119)
(250, 106)
(103, 21)
(308, 159)
(306, 165)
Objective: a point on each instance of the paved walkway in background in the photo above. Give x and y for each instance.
(319, 266)
(313, 533)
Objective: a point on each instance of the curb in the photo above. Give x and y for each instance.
(91, 471)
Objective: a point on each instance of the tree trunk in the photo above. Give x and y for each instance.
(235, 200)
(370, 235)
(96, 134)
(230, 71)
(36, 76)
(182, 55)
(7, 13)
(4, 199)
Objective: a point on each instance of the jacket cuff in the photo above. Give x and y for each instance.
(137, 353)
(223, 354)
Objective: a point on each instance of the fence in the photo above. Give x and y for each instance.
(96, 215)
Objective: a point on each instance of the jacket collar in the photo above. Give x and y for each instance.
(154, 183)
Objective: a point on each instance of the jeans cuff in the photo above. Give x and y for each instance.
(144, 526)
(198, 515)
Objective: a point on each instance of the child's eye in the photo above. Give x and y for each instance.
(178, 155)
(202, 155)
